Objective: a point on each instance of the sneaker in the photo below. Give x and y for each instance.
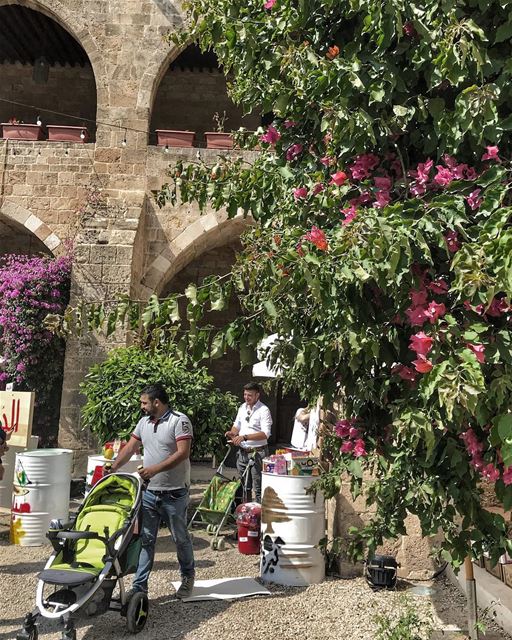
(186, 587)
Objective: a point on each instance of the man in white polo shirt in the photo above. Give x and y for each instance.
(250, 433)
(166, 436)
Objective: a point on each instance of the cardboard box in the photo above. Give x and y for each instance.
(304, 466)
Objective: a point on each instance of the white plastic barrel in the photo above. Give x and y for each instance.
(292, 524)
(95, 461)
(8, 462)
(41, 487)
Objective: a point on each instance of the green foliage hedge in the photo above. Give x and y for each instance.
(113, 387)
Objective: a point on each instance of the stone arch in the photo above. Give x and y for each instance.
(23, 217)
(207, 232)
(155, 70)
(73, 23)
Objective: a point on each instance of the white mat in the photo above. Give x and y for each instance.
(225, 589)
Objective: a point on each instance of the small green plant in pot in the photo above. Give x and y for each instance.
(219, 139)
(113, 387)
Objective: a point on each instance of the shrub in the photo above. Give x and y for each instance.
(31, 287)
(113, 390)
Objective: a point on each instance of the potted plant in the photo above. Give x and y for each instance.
(67, 133)
(16, 130)
(219, 139)
(174, 138)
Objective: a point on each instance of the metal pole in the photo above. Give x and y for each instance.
(471, 599)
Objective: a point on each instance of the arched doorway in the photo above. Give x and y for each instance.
(46, 74)
(226, 371)
(191, 92)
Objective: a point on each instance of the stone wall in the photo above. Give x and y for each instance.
(69, 90)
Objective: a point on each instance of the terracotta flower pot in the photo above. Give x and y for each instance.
(172, 138)
(218, 140)
(67, 133)
(22, 131)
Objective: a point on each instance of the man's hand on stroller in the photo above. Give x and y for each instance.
(234, 438)
(146, 473)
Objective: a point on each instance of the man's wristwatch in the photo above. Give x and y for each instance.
(245, 438)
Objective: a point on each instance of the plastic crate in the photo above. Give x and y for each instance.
(381, 572)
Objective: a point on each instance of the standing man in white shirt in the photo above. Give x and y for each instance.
(250, 433)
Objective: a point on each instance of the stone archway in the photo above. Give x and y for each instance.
(72, 22)
(49, 29)
(207, 232)
(34, 225)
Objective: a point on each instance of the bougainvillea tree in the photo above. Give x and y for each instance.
(381, 254)
(31, 287)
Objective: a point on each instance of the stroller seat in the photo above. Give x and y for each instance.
(81, 561)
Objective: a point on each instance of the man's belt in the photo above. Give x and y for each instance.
(252, 449)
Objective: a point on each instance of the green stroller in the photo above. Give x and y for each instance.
(91, 555)
(216, 506)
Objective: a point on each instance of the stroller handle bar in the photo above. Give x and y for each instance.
(79, 535)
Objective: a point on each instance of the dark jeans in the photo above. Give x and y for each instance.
(253, 480)
(172, 508)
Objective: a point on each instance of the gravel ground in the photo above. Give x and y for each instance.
(331, 610)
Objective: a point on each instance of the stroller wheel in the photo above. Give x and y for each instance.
(137, 612)
(221, 544)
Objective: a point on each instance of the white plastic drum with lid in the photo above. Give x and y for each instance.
(98, 461)
(292, 525)
(41, 488)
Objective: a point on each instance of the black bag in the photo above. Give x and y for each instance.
(380, 572)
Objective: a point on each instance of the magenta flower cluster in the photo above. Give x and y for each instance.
(475, 449)
(31, 287)
(351, 436)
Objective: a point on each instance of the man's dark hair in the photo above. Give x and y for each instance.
(252, 386)
(156, 392)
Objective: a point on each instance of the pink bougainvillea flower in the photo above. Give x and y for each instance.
(359, 448)
(318, 238)
(327, 161)
(272, 136)
(269, 4)
(491, 154)
(339, 178)
(452, 241)
(491, 473)
(300, 193)
(497, 308)
(422, 365)
(435, 311)
(354, 433)
(318, 188)
(416, 315)
(409, 30)
(438, 286)
(507, 475)
(350, 213)
(421, 343)
(473, 200)
(383, 199)
(478, 350)
(294, 152)
(418, 297)
(347, 446)
(289, 124)
(363, 165)
(343, 427)
(443, 176)
(383, 182)
(406, 373)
